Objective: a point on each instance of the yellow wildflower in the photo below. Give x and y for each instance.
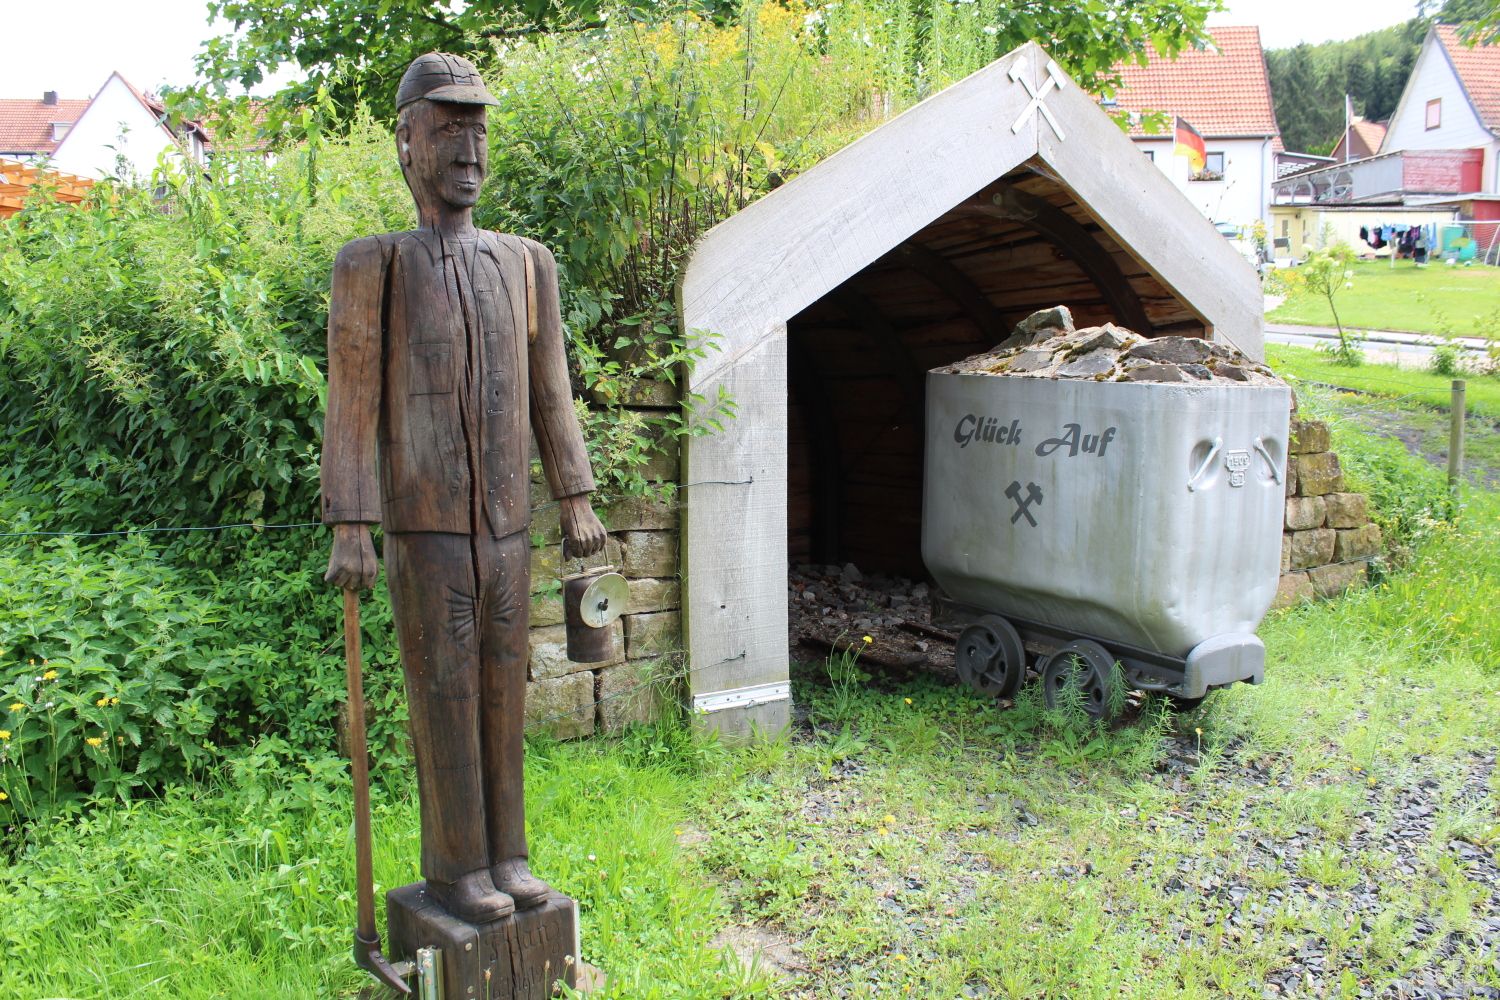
(101, 702)
(120, 740)
(899, 957)
(94, 741)
(868, 640)
(882, 831)
(4, 734)
(3, 796)
(16, 706)
(50, 675)
(888, 820)
(907, 700)
(1199, 731)
(114, 701)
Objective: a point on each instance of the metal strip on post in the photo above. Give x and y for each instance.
(429, 974)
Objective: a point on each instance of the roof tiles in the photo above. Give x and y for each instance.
(26, 123)
(1221, 91)
(1479, 70)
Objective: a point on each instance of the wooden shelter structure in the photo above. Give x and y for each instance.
(917, 245)
(17, 179)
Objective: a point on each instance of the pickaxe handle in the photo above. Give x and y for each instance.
(367, 953)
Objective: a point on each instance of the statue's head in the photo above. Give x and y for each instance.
(440, 130)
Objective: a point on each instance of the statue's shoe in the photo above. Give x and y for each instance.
(514, 878)
(473, 898)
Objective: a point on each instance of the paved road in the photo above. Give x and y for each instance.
(1409, 350)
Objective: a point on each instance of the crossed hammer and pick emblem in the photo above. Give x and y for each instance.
(1024, 504)
(1019, 72)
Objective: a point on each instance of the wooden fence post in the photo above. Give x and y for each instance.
(1456, 435)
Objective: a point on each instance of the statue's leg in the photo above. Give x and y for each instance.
(432, 583)
(505, 604)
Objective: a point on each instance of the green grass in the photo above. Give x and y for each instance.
(912, 840)
(1482, 395)
(1406, 298)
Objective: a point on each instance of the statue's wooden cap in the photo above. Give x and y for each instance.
(442, 76)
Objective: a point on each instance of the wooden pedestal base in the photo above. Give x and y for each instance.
(519, 958)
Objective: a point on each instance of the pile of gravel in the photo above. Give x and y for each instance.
(1046, 345)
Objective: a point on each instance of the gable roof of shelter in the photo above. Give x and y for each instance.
(1478, 70)
(1223, 91)
(760, 267)
(26, 123)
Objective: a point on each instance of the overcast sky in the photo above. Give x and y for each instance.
(151, 42)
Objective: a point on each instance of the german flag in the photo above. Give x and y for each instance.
(1190, 144)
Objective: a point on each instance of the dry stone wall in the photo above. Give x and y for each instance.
(570, 699)
(1329, 538)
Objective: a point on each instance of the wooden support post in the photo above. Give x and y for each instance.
(1456, 434)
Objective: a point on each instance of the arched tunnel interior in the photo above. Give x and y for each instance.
(858, 357)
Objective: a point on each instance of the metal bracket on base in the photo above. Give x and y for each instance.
(429, 974)
(745, 697)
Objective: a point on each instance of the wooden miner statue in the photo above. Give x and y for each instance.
(445, 354)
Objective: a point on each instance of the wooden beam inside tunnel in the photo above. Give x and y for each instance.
(956, 285)
(1014, 205)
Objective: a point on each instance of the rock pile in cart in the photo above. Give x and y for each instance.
(1046, 345)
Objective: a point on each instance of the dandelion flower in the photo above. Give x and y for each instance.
(868, 640)
(50, 675)
(882, 831)
(16, 706)
(888, 820)
(907, 700)
(899, 957)
(1199, 731)
(4, 734)
(95, 741)
(3, 797)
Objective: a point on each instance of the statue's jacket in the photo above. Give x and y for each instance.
(428, 354)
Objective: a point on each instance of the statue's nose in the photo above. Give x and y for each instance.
(468, 149)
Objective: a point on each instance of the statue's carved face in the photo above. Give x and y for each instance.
(444, 152)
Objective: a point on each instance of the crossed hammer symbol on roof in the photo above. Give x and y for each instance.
(1019, 74)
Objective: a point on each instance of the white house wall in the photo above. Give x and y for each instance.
(1242, 197)
(115, 125)
(1433, 78)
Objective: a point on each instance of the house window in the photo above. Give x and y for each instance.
(1213, 168)
(60, 129)
(1434, 113)
(1150, 154)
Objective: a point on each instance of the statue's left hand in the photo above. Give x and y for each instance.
(581, 526)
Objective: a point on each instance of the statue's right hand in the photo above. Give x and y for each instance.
(351, 564)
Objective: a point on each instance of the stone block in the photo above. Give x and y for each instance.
(548, 565)
(648, 553)
(644, 393)
(546, 609)
(1291, 478)
(654, 595)
(549, 652)
(658, 634)
(640, 514)
(1309, 437)
(1330, 581)
(1303, 513)
(1286, 551)
(1347, 510)
(1357, 543)
(662, 462)
(1319, 474)
(562, 706)
(1294, 588)
(1312, 548)
(546, 524)
(632, 693)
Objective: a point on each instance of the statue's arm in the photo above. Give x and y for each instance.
(565, 460)
(351, 491)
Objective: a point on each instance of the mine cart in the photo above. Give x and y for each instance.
(1097, 522)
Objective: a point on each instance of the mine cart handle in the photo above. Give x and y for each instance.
(1207, 461)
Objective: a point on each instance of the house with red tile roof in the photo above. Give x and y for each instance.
(31, 127)
(1224, 92)
(1452, 102)
(124, 132)
(1360, 139)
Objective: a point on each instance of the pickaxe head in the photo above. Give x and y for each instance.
(1018, 70)
(1033, 494)
(367, 956)
(1014, 492)
(1055, 71)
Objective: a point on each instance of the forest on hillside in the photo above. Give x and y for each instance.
(1308, 82)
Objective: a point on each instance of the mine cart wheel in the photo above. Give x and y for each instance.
(990, 658)
(1083, 664)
